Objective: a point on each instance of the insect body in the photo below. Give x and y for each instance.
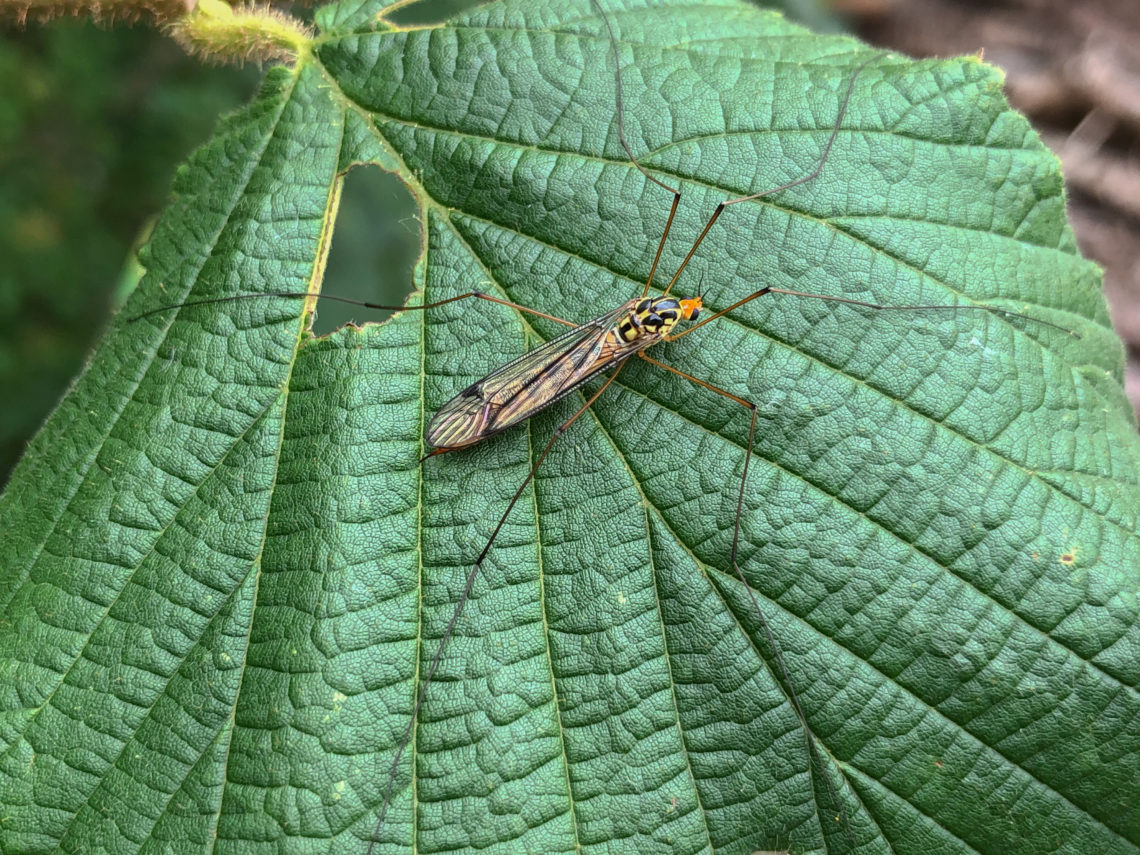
(520, 389)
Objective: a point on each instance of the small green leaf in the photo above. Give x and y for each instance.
(225, 570)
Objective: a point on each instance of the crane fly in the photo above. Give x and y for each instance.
(534, 381)
(528, 385)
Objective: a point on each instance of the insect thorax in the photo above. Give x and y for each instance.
(650, 317)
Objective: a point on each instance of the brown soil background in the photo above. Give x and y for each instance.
(1073, 67)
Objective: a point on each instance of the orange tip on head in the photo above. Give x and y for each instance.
(691, 308)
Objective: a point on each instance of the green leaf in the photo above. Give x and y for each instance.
(225, 568)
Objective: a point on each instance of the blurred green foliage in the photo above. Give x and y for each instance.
(92, 124)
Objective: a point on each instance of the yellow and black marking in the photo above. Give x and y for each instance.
(654, 317)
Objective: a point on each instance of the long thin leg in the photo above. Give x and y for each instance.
(629, 153)
(362, 303)
(801, 180)
(777, 655)
(463, 597)
(1009, 313)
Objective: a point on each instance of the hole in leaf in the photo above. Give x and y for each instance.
(374, 247)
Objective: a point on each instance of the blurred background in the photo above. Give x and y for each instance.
(94, 121)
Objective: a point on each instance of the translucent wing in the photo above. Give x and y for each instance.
(516, 391)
